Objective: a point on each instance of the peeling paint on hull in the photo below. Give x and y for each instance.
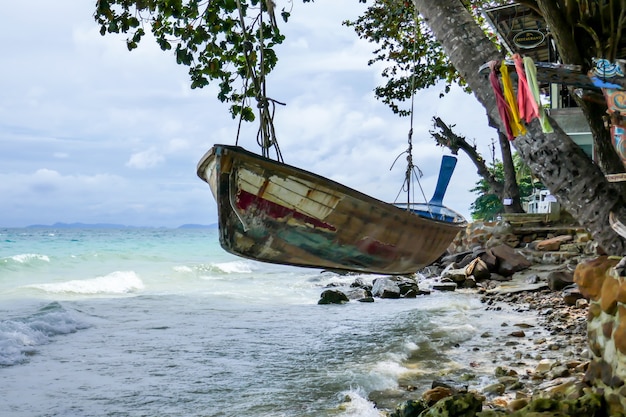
(273, 212)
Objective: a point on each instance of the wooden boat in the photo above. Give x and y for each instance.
(273, 212)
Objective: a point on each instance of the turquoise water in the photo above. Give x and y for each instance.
(158, 322)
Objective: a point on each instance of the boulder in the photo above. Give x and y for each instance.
(559, 279)
(333, 297)
(360, 283)
(553, 244)
(478, 269)
(590, 275)
(394, 287)
(457, 405)
(357, 293)
(509, 261)
(455, 275)
(435, 394)
(411, 408)
(490, 260)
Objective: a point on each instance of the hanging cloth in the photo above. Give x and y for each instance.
(517, 127)
(531, 76)
(526, 104)
(501, 104)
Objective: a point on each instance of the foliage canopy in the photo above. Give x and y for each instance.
(488, 205)
(228, 41)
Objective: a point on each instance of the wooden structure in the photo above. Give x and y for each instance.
(277, 213)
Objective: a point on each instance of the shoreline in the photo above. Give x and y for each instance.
(541, 349)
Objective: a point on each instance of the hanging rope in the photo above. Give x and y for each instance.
(411, 169)
(266, 135)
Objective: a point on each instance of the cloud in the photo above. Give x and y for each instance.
(149, 158)
(91, 132)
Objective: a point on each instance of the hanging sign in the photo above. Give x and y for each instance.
(528, 39)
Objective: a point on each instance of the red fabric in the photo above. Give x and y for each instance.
(503, 107)
(525, 102)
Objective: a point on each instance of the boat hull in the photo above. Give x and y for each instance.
(277, 213)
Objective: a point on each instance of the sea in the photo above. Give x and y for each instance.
(164, 322)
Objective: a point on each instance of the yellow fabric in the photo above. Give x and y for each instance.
(517, 128)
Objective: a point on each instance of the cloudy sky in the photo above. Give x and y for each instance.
(93, 133)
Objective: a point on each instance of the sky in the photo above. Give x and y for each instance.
(93, 133)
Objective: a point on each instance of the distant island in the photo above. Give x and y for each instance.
(115, 226)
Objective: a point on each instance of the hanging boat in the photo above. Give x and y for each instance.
(273, 212)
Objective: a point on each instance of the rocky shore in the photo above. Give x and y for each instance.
(536, 363)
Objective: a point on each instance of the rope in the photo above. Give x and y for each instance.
(266, 135)
(411, 168)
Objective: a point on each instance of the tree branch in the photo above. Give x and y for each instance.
(454, 142)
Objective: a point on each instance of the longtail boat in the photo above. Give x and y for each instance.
(273, 212)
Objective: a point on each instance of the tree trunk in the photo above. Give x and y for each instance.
(511, 190)
(568, 46)
(576, 182)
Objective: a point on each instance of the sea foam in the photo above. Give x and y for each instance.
(118, 282)
(20, 337)
(356, 405)
(24, 258)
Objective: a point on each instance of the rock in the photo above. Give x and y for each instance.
(532, 279)
(386, 287)
(470, 282)
(355, 293)
(590, 275)
(455, 258)
(582, 303)
(478, 269)
(445, 286)
(553, 244)
(457, 405)
(559, 371)
(465, 261)
(509, 261)
(435, 394)
(360, 283)
(453, 386)
(544, 366)
(517, 404)
(504, 372)
(499, 278)
(559, 279)
(456, 275)
(508, 381)
(571, 296)
(333, 297)
(490, 260)
(408, 288)
(410, 408)
(496, 388)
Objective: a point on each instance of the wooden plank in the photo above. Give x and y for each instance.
(616, 177)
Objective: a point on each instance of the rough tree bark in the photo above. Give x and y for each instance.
(577, 183)
(569, 53)
(511, 189)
